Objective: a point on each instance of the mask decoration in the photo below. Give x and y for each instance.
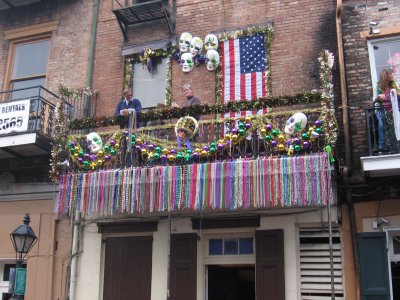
(211, 42)
(196, 45)
(296, 123)
(187, 62)
(94, 142)
(212, 60)
(184, 42)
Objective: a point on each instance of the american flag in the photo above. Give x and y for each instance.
(243, 70)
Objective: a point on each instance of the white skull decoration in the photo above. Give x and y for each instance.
(94, 142)
(296, 123)
(212, 60)
(211, 42)
(187, 62)
(196, 45)
(184, 42)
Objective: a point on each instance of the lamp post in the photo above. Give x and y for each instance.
(23, 239)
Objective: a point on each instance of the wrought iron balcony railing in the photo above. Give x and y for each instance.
(42, 105)
(381, 135)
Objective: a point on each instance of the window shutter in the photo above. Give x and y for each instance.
(315, 268)
(183, 267)
(374, 273)
(270, 276)
(127, 271)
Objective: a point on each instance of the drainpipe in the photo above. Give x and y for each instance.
(95, 14)
(74, 256)
(346, 172)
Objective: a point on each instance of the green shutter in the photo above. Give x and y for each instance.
(374, 273)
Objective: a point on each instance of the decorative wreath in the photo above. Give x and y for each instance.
(189, 125)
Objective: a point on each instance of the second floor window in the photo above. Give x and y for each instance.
(28, 64)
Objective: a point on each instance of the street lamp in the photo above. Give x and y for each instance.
(23, 239)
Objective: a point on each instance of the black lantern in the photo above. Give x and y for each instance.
(23, 239)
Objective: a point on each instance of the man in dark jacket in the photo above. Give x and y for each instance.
(126, 105)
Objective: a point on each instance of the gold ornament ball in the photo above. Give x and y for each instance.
(100, 153)
(138, 141)
(204, 153)
(281, 147)
(247, 119)
(263, 131)
(234, 137)
(76, 155)
(116, 146)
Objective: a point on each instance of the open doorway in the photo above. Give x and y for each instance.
(231, 282)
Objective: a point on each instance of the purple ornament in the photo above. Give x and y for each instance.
(318, 123)
(273, 143)
(80, 160)
(112, 142)
(87, 156)
(107, 157)
(126, 133)
(138, 148)
(195, 155)
(151, 147)
(173, 151)
(227, 142)
(306, 145)
(234, 131)
(297, 141)
(220, 147)
(247, 125)
(163, 157)
(72, 144)
(205, 148)
(269, 127)
(288, 142)
(94, 157)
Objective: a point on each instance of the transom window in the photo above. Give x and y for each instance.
(231, 246)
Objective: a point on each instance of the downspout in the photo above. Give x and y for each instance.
(75, 251)
(347, 142)
(89, 78)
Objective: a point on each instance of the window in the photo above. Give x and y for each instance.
(28, 55)
(384, 54)
(230, 246)
(150, 87)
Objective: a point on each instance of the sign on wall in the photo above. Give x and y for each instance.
(14, 116)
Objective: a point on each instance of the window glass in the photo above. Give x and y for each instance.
(30, 59)
(215, 246)
(28, 93)
(246, 246)
(385, 55)
(150, 87)
(396, 245)
(230, 246)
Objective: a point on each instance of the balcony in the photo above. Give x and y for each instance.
(383, 155)
(27, 122)
(130, 12)
(4, 5)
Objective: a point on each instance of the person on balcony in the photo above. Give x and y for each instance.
(190, 99)
(127, 105)
(383, 103)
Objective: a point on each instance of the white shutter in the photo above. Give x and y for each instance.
(315, 270)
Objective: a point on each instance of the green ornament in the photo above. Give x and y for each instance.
(81, 153)
(275, 132)
(241, 125)
(319, 130)
(267, 137)
(305, 136)
(157, 155)
(187, 157)
(113, 152)
(188, 151)
(86, 164)
(241, 132)
(158, 149)
(297, 148)
(133, 143)
(179, 156)
(72, 150)
(107, 148)
(212, 150)
(213, 144)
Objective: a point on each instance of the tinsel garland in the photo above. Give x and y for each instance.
(329, 123)
(265, 183)
(204, 109)
(59, 140)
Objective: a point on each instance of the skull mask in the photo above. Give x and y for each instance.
(196, 45)
(187, 62)
(94, 142)
(211, 42)
(212, 60)
(296, 123)
(184, 42)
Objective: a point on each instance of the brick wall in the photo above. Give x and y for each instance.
(356, 18)
(68, 58)
(301, 30)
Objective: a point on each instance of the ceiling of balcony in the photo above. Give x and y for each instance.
(8, 4)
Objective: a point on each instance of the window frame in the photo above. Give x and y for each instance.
(371, 56)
